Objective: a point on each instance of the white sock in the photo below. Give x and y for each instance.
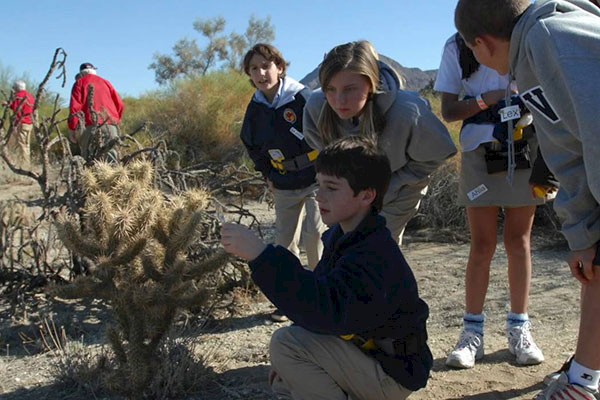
(474, 323)
(583, 376)
(514, 320)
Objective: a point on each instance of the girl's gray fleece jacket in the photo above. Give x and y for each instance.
(555, 58)
(414, 139)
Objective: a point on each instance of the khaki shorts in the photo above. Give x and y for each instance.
(477, 188)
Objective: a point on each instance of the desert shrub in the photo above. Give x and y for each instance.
(134, 240)
(439, 211)
(200, 118)
(81, 371)
(30, 252)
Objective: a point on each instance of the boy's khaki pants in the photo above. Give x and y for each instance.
(310, 366)
(296, 212)
(18, 146)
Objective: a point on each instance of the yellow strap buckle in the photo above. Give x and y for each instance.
(362, 343)
(312, 156)
(278, 165)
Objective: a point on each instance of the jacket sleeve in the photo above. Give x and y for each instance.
(571, 146)
(352, 297)
(261, 162)
(119, 106)
(14, 105)
(310, 119)
(429, 145)
(76, 105)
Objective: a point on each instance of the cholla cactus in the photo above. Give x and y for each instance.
(135, 239)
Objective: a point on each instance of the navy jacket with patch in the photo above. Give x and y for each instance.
(362, 285)
(266, 128)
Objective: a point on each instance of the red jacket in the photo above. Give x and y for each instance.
(106, 103)
(22, 112)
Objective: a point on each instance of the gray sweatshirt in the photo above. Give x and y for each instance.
(555, 58)
(414, 139)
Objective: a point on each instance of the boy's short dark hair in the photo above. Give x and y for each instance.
(358, 160)
(497, 18)
(269, 52)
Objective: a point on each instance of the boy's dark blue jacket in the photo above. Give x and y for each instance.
(362, 285)
(266, 128)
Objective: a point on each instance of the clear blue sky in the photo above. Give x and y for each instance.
(120, 37)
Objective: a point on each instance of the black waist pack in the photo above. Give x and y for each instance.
(497, 160)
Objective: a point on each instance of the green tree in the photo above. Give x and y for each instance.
(189, 60)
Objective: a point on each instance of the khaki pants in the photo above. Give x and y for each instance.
(18, 146)
(296, 213)
(93, 138)
(310, 366)
(400, 209)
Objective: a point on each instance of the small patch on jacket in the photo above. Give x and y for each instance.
(289, 115)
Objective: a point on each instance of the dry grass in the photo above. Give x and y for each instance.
(91, 371)
(439, 217)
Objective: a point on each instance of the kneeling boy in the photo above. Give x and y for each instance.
(359, 324)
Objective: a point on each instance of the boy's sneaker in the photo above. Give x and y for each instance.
(468, 349)
(521, 344)
(278, 316)
(562, 389)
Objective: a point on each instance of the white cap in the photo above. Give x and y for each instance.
(19, 85)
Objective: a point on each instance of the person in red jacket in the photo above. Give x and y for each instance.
(96, 110)
(18, 142)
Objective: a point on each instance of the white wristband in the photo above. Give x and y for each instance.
(481, 103)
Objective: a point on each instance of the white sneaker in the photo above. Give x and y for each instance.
(521, 344)
(468, 349)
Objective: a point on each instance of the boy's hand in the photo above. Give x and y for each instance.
(241, 241)
(582, 264)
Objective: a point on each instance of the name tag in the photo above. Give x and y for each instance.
(478, 191)
(508, 113)
(297, 133)
(276, 154)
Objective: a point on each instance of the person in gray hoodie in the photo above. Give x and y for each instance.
(552, 49)
(360, 95)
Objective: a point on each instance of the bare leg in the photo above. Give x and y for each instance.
(588, 352)
(483, 225)
(517, 240)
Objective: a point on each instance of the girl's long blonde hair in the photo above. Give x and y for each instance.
(361, 58)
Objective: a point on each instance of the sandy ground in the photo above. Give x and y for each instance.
(238, 344)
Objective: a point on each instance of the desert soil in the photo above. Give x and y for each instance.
(238, 341)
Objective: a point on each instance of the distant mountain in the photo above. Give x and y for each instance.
(415, 78)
